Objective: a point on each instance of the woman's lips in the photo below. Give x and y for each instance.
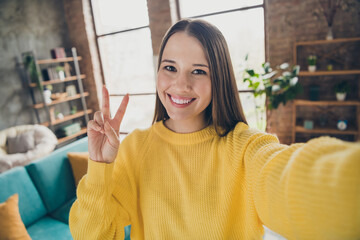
(180, 101)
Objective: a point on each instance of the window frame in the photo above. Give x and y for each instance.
(97, 36)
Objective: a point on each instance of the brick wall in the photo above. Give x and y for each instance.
(159, 21)
(81, 32)
(290, 21)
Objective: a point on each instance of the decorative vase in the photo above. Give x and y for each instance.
(309, 124)
(340, 96)
(47, 96)
(329, 35)
(312, 68)
(342, 125)
(61, 75)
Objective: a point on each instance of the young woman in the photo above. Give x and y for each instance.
(199, 172)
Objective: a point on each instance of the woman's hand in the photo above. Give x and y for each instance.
(103, 132)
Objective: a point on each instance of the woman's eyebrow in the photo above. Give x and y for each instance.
(195, 64)
(168, 60)
(200, 65)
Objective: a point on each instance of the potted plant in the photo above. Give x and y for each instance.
(30, 66)
(341, 89)
(311, 63)
(280, 86)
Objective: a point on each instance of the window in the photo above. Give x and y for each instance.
(242, 23)
(124, 42)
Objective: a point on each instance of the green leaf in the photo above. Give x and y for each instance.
(251, 72)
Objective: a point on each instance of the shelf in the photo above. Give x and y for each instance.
(67, 118)
(327, 50)
(64, 139)
(325, 103)
(339, 40)
(326, 131)
(58, 60)
(77, 96)
(328, 73)
(56, 81)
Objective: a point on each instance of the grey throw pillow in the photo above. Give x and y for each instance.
(21, 143)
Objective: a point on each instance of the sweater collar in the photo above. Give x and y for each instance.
(184, 138)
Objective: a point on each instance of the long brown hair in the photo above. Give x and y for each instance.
(225, 109)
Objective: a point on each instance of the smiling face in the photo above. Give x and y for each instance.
(183, 83)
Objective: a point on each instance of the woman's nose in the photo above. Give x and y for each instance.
(183, 82)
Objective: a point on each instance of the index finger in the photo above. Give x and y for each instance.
(121, 111)
(105, 104)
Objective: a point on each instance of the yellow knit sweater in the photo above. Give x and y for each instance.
(202, 186)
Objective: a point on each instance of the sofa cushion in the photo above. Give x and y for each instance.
(79, 164)
(21, 143)
(11, 225)
(49, 229)
(18, 181)
(53, 178)
(62, 213)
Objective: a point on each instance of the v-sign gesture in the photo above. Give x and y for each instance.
(103, 132)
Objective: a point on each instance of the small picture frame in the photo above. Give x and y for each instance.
(71, 90)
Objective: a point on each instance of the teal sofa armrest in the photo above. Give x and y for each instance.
(17, 180)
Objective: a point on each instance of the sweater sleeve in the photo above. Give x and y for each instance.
(96, 213)
(306, 191)
(106, 196)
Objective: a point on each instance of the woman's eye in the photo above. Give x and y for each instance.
(170, 68)
(199, 71)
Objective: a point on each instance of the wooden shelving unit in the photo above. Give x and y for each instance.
(328, 73)
(58, 60)
(67, 118)
(349, 131)
(318, 107)
(299, 102)
(64, 139)
(39, 106)
(58, 81)
(77, 96)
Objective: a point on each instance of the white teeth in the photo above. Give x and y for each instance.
(180, 101)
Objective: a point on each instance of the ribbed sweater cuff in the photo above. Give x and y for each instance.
(99, 173)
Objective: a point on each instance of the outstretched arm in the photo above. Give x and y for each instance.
(306, 191)
(97, 213)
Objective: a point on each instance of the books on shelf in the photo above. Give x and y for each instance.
(58, 53)
(53, 73)
(68, 130)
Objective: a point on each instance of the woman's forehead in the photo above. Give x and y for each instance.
(182, 44)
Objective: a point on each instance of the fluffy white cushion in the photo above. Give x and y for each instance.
(21, 143)
(44, 143)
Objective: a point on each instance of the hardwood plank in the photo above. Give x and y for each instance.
(338, 40)
(56, 81)
(64, 139)
(58, 60)
(77, 96)
(67, 118)
(328, 73)
(326, 131)
(299, 102)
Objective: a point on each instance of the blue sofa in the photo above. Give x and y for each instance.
(46, 191)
